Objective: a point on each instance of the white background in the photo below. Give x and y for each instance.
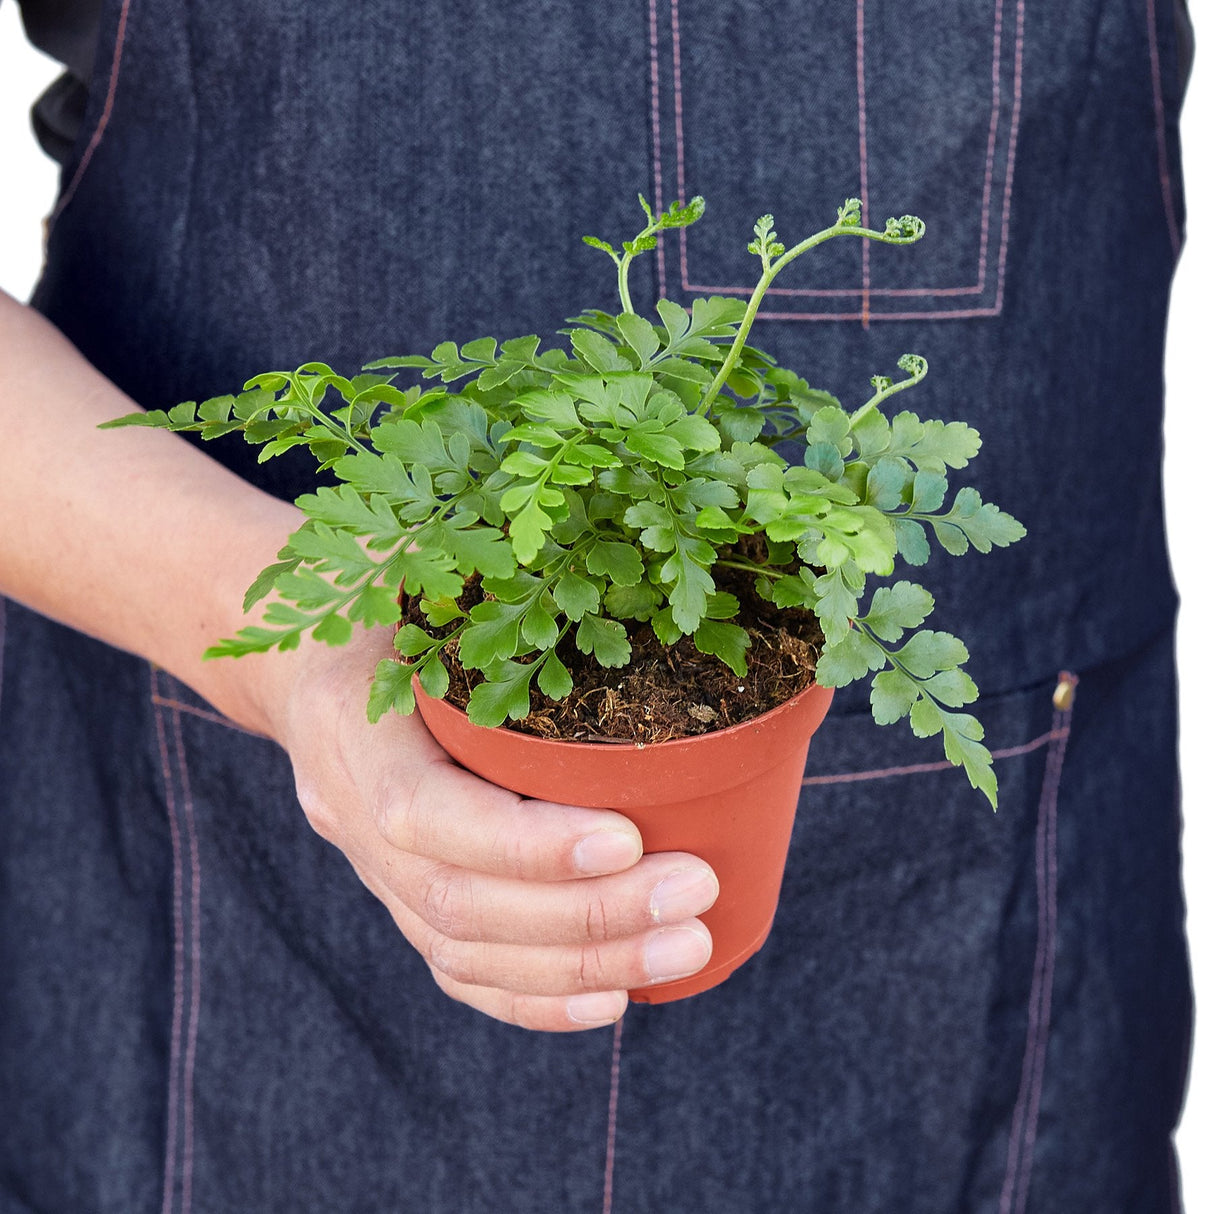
(29, 181)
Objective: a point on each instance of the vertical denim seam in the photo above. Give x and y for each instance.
(1023, 1133)
(992, 138)
(1161, 136)
(102, 122)
(179, 228)
(613, 1106)
(862, 103)
(1013, 143)
(174, 1093)
(191, 1048)
(179, 1130)
(680, 163)
(655, 120)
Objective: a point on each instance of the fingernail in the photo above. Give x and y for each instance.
(599, 1007)
(606, 851)
(676, 953)
(691, 891)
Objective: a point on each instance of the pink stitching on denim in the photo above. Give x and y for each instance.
(102, 122)
(679, 162)
(1161, 138)
(988, 176)
(191, 1049)
(181, 1069)
(613, 1104)
(1013, 141)
(959, 314)
(862, 102)
(170, 1151)
(677, 49)
(866, 290)
(656, 121)
(843, 292)
(1023, 1135)
(915, 769)
(203, 714)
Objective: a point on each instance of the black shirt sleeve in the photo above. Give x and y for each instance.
(66, 30)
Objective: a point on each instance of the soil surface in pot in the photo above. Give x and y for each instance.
(664, 692)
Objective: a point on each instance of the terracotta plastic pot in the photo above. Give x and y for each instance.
(728, 797)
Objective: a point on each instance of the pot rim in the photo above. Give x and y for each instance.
(703, 739)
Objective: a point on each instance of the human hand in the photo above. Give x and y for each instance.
(538, 914)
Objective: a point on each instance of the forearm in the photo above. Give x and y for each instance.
(131, 535)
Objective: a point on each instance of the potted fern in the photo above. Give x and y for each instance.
(552, 529)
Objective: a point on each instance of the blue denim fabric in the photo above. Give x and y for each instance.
(956, 1012)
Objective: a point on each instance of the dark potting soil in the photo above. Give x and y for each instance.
(664, 692)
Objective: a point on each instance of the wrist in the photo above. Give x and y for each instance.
(280, 691)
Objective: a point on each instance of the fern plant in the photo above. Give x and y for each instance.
(597, 482)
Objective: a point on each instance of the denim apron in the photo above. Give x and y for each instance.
(204, 1011)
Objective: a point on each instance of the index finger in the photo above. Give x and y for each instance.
(452, 816)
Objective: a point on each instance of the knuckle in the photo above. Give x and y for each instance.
(539, 1013)
(386, 816)
(512, 848)
(392, 815)
(458, 962)
(450, 959)
(511, 1007)
(451, 988)
(434, 948)
(318, 811)
(445, 901)
(520, 1009)
(397, 810)
(592, 970)
(598, 918)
